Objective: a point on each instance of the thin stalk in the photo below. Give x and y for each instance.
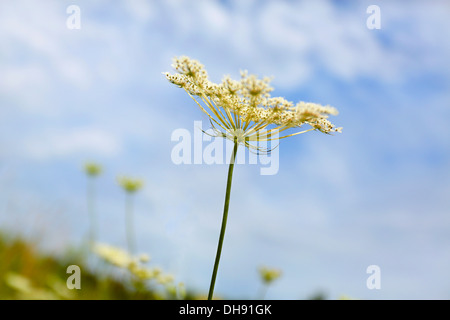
(91, 212)
(263, 291)
(129, 222)
(224, 220)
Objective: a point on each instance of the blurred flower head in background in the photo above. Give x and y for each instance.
(130, 185)
(269, 275)
(92, 169)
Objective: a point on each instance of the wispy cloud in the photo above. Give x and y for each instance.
(61, 143)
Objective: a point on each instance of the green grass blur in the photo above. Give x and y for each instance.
(26, 272)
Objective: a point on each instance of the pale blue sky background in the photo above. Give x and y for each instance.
(376, 194)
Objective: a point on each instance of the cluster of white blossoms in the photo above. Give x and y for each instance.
(243, 110)
(122, 259)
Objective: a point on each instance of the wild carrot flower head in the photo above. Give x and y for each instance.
(243, 110)
(92, 169)
(130, 185)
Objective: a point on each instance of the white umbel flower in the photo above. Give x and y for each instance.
(243, 110)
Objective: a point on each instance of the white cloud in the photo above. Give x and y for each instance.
(141, 10)
(294, 40)
(62, 143)
(287, 40)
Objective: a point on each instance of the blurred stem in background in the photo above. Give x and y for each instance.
(224, 220)
(130, 186)
(92, 171)
(129, 223)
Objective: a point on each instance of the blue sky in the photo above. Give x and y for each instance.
(375, 194)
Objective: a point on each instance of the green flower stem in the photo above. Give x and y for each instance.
(91, 210)
(224, 220)
(129, 222)
(263, 291)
